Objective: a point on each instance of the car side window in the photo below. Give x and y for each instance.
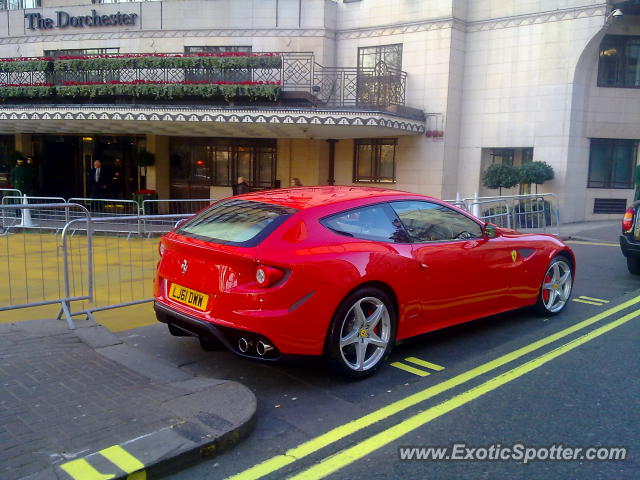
(374, 222)
(431, 222)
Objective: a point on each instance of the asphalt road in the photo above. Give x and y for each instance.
(538, 384)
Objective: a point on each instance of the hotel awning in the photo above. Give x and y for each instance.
(202, 121)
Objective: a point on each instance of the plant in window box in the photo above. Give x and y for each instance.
(40, 64)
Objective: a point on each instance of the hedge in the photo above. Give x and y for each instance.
(25, 66)
(170, 91)
(97, 63)
(26, 91)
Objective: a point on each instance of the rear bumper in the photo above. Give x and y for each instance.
(228, 337)
(630, 248)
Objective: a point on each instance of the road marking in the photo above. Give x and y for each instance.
(338, 433)
(587, 302)
(602, 244)
(422, 363)
(593, 299)
(125, 461)
(81, 469)
(379, 440)
(410, 369)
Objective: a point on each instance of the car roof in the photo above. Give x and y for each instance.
(302, 198)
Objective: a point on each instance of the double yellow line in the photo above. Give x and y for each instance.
(349, 455)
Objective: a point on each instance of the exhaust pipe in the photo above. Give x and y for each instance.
(263, 348)
(244, 345)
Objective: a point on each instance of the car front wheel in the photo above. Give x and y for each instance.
(362, 333)
(556, 287)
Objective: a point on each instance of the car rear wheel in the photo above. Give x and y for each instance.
(633, 264)
(362, 333)
(556, 287)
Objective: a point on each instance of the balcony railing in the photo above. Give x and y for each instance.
(294, 77)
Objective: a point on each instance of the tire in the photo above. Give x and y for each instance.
(556, 287)
(176, 332)
(362, 333)
(633, 264)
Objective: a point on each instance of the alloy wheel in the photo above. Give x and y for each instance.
(365, 334)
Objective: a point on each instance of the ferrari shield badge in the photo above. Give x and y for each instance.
(514, 255)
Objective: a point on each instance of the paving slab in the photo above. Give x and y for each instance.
(76, 410)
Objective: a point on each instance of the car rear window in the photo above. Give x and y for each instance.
(236, 222)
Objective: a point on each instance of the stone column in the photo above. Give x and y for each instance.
(158, 174)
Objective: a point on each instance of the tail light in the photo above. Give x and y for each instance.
(267, 276)
(627, 220)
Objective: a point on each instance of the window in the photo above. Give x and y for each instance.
(121, 1)
(375, 160)
(619, 61)
(219, 161)
(82, 51)
(236, 222)
(390, 55)
(218, 74)
(430, 222)
(87, 75)
(375, 222)
(217, 49)
(503, 156)
(527, 155)
(18, 4)
(611, 163)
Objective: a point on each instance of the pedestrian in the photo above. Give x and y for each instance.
(98, 181)
(295, 182)
(34, 177)
(241, 187)
(20, 177)
(117, 179)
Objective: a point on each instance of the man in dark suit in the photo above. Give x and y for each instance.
(98, 181)
(241, 187)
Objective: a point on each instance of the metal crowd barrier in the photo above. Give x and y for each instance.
(532, 213)
(84, 270)
(10, 192)
(124, 264)
(40, 268)
(174, 206)
(38, 212)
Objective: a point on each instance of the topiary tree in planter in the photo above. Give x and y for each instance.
(499, 176)
(144, 159)
(535, 172)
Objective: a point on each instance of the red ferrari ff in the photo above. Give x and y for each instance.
(345, 272)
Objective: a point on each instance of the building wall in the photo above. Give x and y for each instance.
(168, 26)
(488, 73)
(518, 86)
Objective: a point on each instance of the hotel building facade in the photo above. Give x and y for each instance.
(418, 95)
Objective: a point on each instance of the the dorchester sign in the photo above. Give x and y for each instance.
(62, 19)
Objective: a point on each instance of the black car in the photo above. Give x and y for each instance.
(630, 238)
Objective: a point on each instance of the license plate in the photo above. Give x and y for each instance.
(188, 297)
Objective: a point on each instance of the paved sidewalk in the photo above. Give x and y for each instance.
(75, 403)
(598, 231)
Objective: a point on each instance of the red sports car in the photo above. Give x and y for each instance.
(345, 272)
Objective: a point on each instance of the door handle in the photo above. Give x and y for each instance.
(424, 266)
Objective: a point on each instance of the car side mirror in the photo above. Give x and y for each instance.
(490, 230)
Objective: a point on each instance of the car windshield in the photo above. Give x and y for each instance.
(238, 222)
